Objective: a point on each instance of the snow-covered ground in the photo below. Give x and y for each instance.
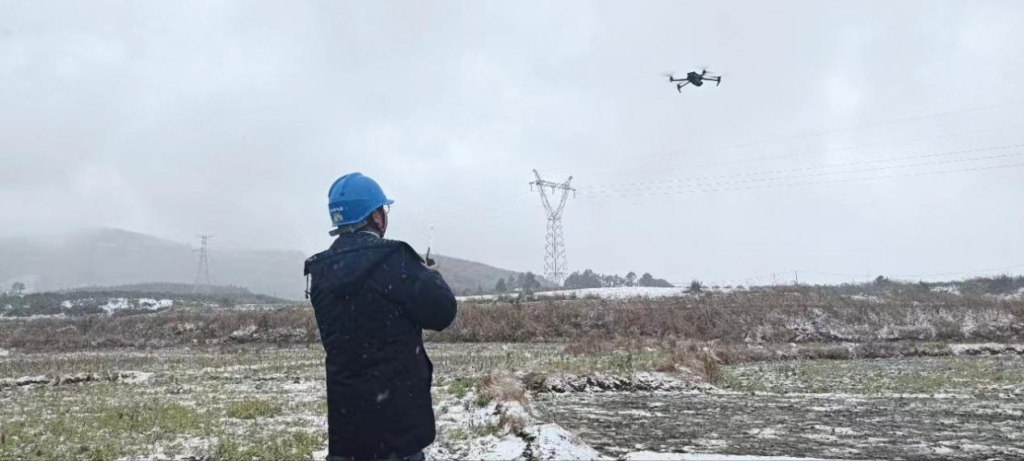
(654, 456)
(603, 293)
(116, 304)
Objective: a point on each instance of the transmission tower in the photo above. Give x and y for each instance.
(202, 282)
(554, 246)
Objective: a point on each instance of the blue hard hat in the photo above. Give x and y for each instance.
(353, 197)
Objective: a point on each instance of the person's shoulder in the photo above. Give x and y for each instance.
(316, 259)
(404, 249)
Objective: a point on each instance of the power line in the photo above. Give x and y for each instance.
(671, 183)
(421, 219)
(810, 153)
(811, 134)
(871, 125)
(773, 186)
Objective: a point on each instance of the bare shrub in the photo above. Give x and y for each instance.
(502, 386)
(762, 316)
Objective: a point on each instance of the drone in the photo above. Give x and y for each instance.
(697, 79)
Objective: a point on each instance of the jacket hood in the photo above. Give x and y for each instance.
(352, 259)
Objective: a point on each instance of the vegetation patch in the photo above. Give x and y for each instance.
(461, 386)
(252, 409)
(273, 446)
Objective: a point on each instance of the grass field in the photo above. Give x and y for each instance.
(268, 403)
(779, 372)
(235, 403)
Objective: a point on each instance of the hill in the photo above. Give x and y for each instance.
(114, 258)
(468, 276)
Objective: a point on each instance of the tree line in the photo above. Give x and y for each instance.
(591, 279)
(526, 282)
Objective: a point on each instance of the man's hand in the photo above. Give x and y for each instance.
(431, 264)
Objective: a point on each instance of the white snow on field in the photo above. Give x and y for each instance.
(654, 456)
(116, 304)
(603, 293)
(555, 443)
(136, 377)
(153, 304)
(491, 448)
(950, 289)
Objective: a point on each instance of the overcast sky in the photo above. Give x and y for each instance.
(827, 149)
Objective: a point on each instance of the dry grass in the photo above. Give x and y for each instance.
(763, 316)
(780, 316)
(502, 386)
(509, 393)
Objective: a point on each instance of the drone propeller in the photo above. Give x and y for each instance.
(670, 75)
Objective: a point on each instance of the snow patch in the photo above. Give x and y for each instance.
(29, 380)
(987, 349)
(117, 304)
(154, 304)
(494, 449)
(136, 377)
(654, 456)
(948, 289)
(552, 442)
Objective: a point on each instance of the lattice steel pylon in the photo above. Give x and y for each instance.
(202, 282)
(555, 266)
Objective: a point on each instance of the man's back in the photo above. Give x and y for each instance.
(372, 298)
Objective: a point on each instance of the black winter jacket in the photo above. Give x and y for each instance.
(372, 298)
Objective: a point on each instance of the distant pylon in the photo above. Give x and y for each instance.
(555, 265)
(202, 282)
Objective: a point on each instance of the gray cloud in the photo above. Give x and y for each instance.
(234, 118)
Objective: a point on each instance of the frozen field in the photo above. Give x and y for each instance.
(247, 402)
(917, 408)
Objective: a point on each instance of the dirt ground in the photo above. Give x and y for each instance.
(243, 402)
(908, 408)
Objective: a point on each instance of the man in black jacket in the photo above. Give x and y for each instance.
(372, 298)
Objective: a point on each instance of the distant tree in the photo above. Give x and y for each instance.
(631, 279)
(585, 279)
(695, 286)
(648, 280)
(530, 282)
(572, 280)
(1000, 285)
(17, 289)
(881, 280)
(612, 281)
(500, 287)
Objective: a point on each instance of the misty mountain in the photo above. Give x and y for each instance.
(111, 257)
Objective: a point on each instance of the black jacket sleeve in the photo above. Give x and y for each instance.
(422, 293)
